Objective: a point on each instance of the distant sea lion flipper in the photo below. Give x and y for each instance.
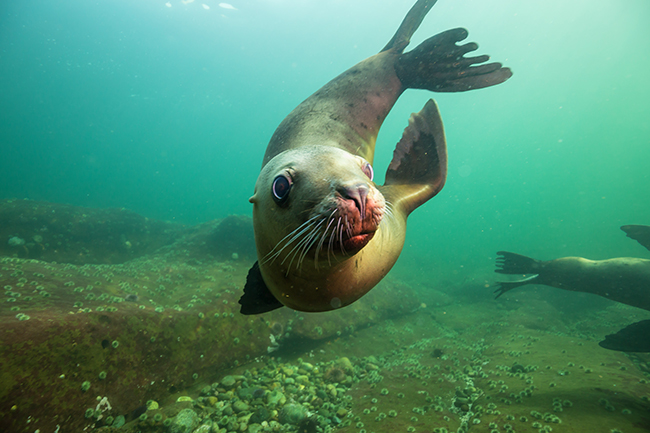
(632, 338)
(512, 263)
(257, 298)
(418, 170)
(506, 286)
(639, 233)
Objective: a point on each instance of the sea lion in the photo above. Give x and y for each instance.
(623, 279)
(325, 232)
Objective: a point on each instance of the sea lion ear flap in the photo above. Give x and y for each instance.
(257, 298)
(418, 170)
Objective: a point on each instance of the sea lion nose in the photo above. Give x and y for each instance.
(359, 194)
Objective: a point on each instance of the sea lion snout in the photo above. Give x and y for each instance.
(358, 194)
(361, 207)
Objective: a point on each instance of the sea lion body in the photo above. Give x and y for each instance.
(325, 232)
(624, 279)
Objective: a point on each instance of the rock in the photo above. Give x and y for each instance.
(119, 421)
(228, 382)
(240, 406)
(292, 414)
(246, 393)
(186, 421)
(205, 428)
(254, 428)
(275, 397)
(260, 415)
(344, 364)
(303, 379)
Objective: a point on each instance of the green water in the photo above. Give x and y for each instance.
(167, 111)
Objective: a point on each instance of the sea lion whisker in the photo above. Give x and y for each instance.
(301, 244)
(345, 226)
(320, 244)
(389, 211)
(295, 234)
(297, 251)
(313, 237)
(303, 247)
(330, 248)
(322, 239)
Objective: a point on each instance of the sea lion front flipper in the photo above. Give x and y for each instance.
(639, 233)
(632, 338)
(418, 170)
(257, 298)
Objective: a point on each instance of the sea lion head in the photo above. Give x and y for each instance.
(314, 200)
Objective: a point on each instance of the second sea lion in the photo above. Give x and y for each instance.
(624, 279)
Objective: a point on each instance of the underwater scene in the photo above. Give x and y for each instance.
(203, 216)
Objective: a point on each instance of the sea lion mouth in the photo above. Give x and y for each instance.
(355, 243)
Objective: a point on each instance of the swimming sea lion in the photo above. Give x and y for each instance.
(624, 279)
(325, 232)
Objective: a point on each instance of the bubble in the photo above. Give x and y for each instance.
(335, 303)
(464, 170)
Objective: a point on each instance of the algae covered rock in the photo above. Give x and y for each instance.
(228, 382)
(292, 414)
(240, 406)
(185, 422)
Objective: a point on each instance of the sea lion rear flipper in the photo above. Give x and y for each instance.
(437, 64)
(418, 170)
(639, 233)
(511, 263)
(506, 286)
(632, 338)
(257, 298)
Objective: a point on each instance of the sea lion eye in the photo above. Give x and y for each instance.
(367, 169)
(281, 188)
